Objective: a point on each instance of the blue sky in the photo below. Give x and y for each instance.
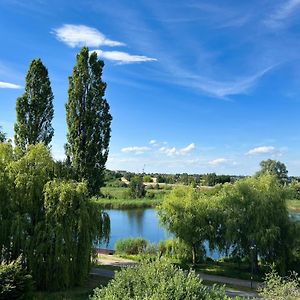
(194, 86)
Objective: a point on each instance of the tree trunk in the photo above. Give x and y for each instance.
(194, 254)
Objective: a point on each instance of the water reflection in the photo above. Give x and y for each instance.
(145, 223)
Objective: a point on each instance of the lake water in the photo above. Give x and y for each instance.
(139, 223)
(145, 223)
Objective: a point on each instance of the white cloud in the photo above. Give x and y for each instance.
(152, 142)
(174, 151)
(135, 150)
(123, 57)
(7, 85)
(261, 150)
(187, 149)
(283, 12)
(222, 89)
(81, 35)
(219, 161)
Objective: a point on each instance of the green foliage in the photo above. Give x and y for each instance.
(256, 217)
(273, 167)
(295, 190)
(88, 121)
(108, 203)
(35, 109)
(27, 177)
(191, 216)
(136, 187)
(279, 288)
(178, 249)
(15, 282)
(212, 179)
(147, 178)
(131, 246)
(72, 224)
(157, 280)
(2, 136)
(52, 223)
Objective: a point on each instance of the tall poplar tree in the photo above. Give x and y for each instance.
(35, 108)
(88, 120)
(2, 136)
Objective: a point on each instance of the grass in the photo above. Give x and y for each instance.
(115, 198)
(230, 286)
(127, 203)
(228, 269)
(293, 205)
(76, 293)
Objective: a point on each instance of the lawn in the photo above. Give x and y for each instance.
(228, 269)
(76, 293)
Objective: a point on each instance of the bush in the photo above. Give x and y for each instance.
(136, 187)
(279, 288)
(179, 250)
(131, 246)
(147, 178)
(15, 282)
(157, 280)
(150, 195)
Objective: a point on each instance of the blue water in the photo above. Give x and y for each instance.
(135, 223)
(140, 223)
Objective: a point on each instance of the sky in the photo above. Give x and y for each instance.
(193, 86)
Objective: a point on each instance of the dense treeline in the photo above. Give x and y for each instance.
(48, 219)
(248, 219)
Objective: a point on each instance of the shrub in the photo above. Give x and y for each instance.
(15, 282)
(157, 280)
(179, 250)
(137, 188)
(150, 195)
(147, 178)
(279, 288)
(131, 246)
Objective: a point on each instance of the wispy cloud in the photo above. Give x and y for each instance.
(7, 85)
(81, 35)
(219, 161)
(222, 89)
(135, 149)
(152, 142)
(261, 150)
(170, 151)
(123, 57)
(283, 12)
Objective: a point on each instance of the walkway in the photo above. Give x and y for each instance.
(232, 292)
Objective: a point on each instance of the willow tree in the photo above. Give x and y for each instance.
(257, 221)
(191, 217)
(6, 208)
(73, 223)
(28, 176)
(35, 109)
(88, 120)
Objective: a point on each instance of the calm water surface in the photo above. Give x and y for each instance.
(139, 223)
(145, 223)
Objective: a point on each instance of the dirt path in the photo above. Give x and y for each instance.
(110, 260)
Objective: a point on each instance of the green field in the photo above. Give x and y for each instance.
(117, 198)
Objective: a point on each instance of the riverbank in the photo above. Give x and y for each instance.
(128, 203)
(293, 205)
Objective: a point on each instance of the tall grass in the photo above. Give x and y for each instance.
(127, 203)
